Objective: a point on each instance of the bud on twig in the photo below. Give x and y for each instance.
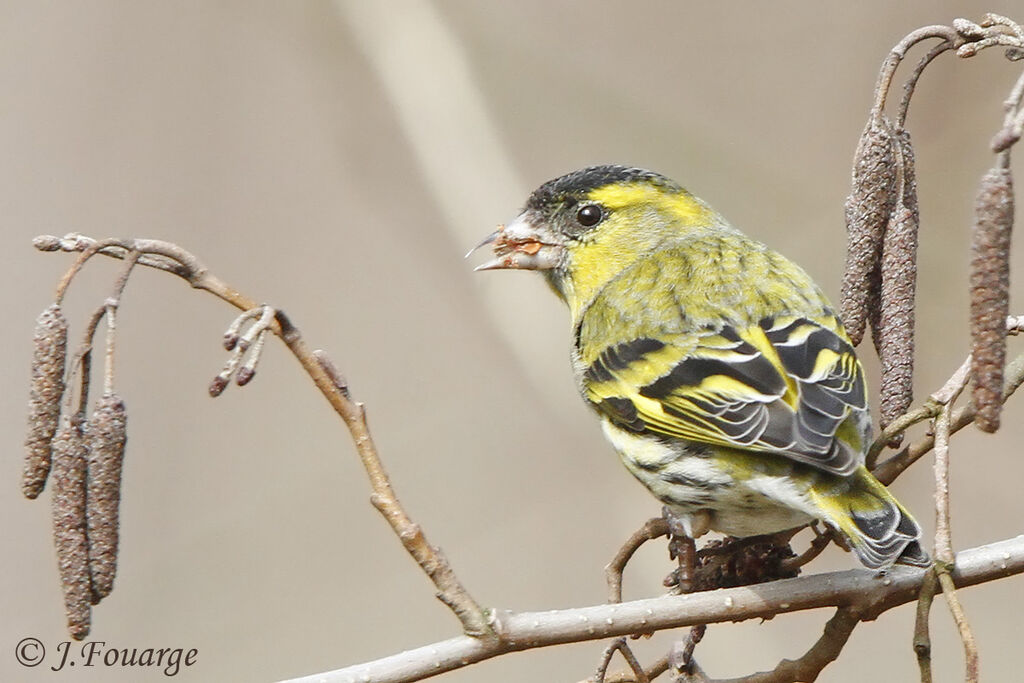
(70, 454)
(968, 29)
(218, 385)
(868, 208)
(990, 296)
(51, 340)
(107, 435)
(47, 243)
(246, 348)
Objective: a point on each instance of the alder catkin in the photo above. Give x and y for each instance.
(893, 324)
(908, 167)
(871, 202)
(70, 456)
(107, 435)
(990, 293)
(48, 359)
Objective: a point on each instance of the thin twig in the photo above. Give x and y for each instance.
(172, 258)
(818, 544)
(990, 34)
(897, 54)
(87, 252)
(948, 392)
(966, 635)
(82, 362)
(681, 658)
(653, 528)
(943, 541)
(620, 645)
(922, 640)
(658, 667)
(911, 83)
(887, 471)
(112, 303)
(926, 411)
(806, 668)
(1013, 120)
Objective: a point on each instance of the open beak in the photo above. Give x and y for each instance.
(520, 245)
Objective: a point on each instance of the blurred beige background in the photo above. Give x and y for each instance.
(338, 160)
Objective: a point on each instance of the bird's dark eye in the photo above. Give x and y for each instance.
(589, 215)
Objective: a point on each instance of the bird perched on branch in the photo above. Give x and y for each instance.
(721, 373)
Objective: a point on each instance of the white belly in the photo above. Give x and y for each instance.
(698, 485)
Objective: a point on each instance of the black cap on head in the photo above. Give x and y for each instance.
(581, 182)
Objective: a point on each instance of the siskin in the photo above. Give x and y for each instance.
(721, 373)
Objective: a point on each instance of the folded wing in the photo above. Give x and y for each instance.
(787, 386)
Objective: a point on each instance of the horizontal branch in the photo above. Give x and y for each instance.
(871, 592)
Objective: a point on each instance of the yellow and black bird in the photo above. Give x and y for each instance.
(720, 371)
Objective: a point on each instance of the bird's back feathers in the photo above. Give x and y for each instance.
(785, 383)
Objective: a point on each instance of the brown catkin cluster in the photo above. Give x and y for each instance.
(730, 564)
(48, 360)
(990, 293)
(70, 456)
(107, 435)
(871, 202)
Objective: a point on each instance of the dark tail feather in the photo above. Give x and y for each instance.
(879, 529)
(914, 555)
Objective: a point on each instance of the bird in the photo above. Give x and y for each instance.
(719, 370)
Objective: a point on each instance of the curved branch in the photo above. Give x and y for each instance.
(807, 667)
(652, 529)
(869, 592)
(171, 258)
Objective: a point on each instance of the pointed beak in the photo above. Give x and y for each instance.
(521, 245)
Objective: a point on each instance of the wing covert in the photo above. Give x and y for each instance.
(786, 385)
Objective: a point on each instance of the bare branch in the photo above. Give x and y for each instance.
(869, 592)
(943, 542)
(659, 667)
(925, 411)
(911, 83)
(173, 259)
(681, 657)
(1014, 120)
(824, 651)
(620, 645)
(653, 528)
(922, 640)
(966, 635)
(818, 544)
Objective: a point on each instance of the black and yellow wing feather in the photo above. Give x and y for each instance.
(790, 386)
